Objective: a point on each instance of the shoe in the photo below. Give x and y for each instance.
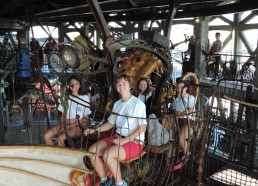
(124, 183)
(177, 166)
(211, 62)
(108, 182)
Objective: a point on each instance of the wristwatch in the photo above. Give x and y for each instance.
(95, 130)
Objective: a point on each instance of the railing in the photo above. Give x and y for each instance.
(222, 148)
(239, 66)
(231, 144)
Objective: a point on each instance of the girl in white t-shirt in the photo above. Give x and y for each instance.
(183, 108)
(129, 117)
(77, 113)
(143, 90)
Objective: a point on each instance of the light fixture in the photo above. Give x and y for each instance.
(70, 57)
(50, 80)
(112, 14)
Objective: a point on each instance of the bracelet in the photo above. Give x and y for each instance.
(95, 130)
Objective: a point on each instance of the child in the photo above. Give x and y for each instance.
(144, 90)
(127, 143)
(77, 113)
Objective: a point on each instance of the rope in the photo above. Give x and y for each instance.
(241, 102)
(255, 88)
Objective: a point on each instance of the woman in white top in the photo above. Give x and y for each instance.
(77, 113)
(143, 90)
(129, 117)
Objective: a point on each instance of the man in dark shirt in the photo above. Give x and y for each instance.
(7, 44)
(191, 51)
(34, 45)
(50, 46)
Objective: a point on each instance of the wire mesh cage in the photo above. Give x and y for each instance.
(231, 138)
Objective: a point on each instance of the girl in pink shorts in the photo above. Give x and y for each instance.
(128, 119)
(77, 113)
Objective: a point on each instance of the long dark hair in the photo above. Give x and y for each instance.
(186, 85)
(77, 78)
(148, 89)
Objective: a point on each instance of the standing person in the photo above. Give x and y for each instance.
(191, 51)
(143, 90)
(50, 46)
(34, 45)
(127, 143)
(216, 47)
(183, 107)
(77, 113)
(7, 44)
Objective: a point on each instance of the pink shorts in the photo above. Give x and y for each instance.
(71, 121)
(76, 129)
(132, 149)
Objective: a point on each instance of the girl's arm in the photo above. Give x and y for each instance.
(132, 136)
(189, 110)
(62, 123)
(84, 119)
(102, 128)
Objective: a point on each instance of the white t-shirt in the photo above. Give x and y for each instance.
(144, 98)
(77, 107)
(181, 106)
(124, 123)
(157, 134)
(216, 45)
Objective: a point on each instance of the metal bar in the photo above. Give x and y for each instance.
(172, 11)
(91, 44)
(255, 97)
(2, 132)
(94, 6)
(10, 6)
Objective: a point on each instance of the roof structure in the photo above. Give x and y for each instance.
(118, 10)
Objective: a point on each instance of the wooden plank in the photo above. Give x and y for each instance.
(12, 177)
(55, 171)
(65, 156)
